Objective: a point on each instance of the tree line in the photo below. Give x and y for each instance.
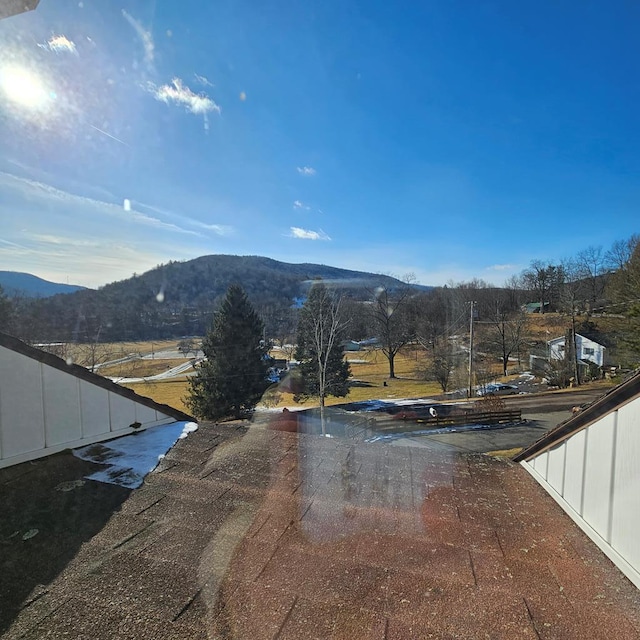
(233, 377)
(397, 313)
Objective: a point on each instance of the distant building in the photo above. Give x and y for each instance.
(587, 350)
(369, 342)
(534, 307)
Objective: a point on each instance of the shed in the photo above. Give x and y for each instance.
(589, 465)
(534, 307)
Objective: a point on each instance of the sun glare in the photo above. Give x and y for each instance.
(23, 87)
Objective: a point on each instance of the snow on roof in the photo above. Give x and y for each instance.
(130, 458)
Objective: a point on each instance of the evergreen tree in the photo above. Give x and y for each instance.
(6, 310)
(624, 288)
(232, 379)
(323, 368)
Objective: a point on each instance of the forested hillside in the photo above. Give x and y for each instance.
(179, 298)
(581, 293)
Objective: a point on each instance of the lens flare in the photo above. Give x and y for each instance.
(23, 87)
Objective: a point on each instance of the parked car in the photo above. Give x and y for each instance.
(498, 390)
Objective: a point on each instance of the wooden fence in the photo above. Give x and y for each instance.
(409, 423)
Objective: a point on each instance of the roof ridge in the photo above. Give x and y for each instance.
(14, 344)
(609, 401)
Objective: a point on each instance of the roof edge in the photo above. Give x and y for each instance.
(14, 344)
(623, 393)
(582, 336)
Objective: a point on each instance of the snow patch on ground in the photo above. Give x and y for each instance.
(390, 437)
(128, 459)
(409, 401)
(263, 409)
(389, 403)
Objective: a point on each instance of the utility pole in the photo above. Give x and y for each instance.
(471, 350)
(576, 368)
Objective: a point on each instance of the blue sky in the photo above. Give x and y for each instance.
(447, 139)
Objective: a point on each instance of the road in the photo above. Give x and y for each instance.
(172, 354)
(552, 401)
(169, 373)
(540, 412)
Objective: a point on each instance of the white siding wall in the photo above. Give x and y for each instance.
(44, 410)
(557, 349)
(598, 350)
(595, 476)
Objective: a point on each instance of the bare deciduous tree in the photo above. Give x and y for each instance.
(186, 345)
(506, 333)
(320, 331)
(391, 318)
(591, 265)
(543, 279)
(441, 365)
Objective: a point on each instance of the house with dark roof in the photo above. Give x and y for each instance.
(48, 404)
(589, 465)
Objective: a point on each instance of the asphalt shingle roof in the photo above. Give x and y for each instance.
(253, 533)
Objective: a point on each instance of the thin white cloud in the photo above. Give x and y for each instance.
(219, 229)
(57, 234)
(502, 267)
(145, 37)
(142, 218)
(307, 234)
(306, 171)
(13, 245)
(60, 44)
(106, 133)
(32, 188)
(203, 80)
(178, 93)
(48, 238)
(298, 204)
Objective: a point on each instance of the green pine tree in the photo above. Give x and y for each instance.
(6, 309)
(624, 288)
(232, 379)
(323, 369)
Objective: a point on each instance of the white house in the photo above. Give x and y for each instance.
(587, 350)
(47, 405)
(589, 465)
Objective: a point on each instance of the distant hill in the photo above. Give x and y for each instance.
(17, 283)
(179, 298)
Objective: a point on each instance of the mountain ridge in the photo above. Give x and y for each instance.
(178, 298)
(15, 283)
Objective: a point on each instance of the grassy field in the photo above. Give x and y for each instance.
(369, 369)
(171, 392)
(551, 325)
